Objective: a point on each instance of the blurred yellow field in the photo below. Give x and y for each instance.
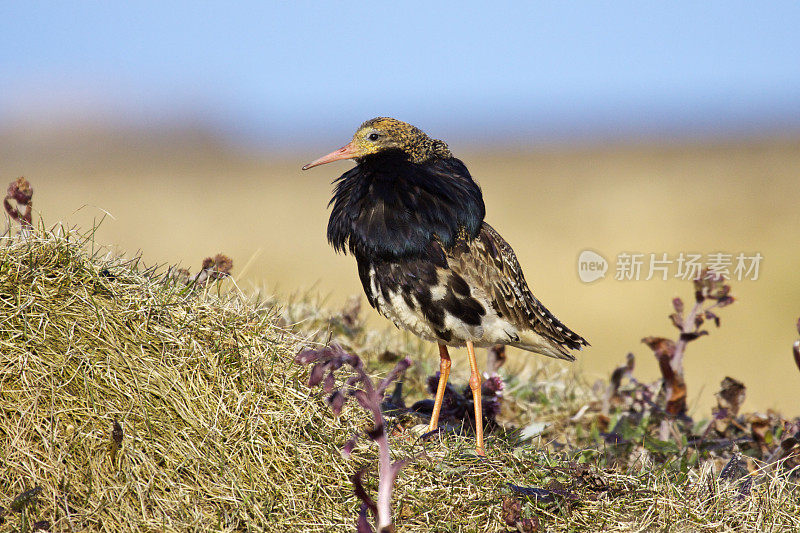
(178, 201)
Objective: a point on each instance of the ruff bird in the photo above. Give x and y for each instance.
(412, 216)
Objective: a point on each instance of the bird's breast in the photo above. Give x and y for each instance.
(432, 302)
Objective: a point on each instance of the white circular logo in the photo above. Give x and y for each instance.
(591, 266)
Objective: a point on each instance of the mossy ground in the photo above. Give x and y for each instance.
(220, 432)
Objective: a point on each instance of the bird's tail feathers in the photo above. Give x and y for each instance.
(533, 342)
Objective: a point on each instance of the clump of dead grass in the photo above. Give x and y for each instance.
(136, 402)
(216, 433)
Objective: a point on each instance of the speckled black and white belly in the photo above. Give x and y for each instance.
(433, 302)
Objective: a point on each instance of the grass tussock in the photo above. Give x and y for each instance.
(216, 435)
(136, 401)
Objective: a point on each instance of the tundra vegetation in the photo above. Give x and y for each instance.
(151, 398)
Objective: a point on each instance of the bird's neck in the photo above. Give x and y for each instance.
(390, 207)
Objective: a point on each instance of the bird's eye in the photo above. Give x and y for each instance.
(373, 136)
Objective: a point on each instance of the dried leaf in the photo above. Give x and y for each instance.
(213, 269)
(693, 335)
(726, 301)
(348, 447)
(362, 399)
(729, 401)
(351, 311)
(493, 386)
(495, 358)
(661, 347)
(711, 284)
(698, 296)
(759, 429)
(317, 374)
(21, 192)
(117, 434)
(337, 401)
(528, 525)
(329, 383)
(676, 403)
(621, 372)
(510, 510)
(24, 499)
(305, 357)
(796, 352)
(788, 443)
(731, 395)
(388, 357)
(698, 320)
(595, 481)
(712, 316)
(664, 350)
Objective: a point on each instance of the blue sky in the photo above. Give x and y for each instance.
(284, 72)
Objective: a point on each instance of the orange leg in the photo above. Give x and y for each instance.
(475, 385)
(444, 373)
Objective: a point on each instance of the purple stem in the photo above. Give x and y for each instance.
(370, 398)
(680, 346)
(386, 474)
(688, 326)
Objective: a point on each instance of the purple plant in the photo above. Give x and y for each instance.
(211, 270)
(457, 405)
(369, 396)
(711, 292)
(21, 192)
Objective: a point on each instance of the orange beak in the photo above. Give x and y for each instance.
(348, 151)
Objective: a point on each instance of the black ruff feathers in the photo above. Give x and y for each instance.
(388, 207)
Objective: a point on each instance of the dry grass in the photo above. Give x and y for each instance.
(217, 436)
(221, 433)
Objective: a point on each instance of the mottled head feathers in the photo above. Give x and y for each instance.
(387, 134)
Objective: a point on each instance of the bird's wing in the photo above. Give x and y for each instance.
(489, 262)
